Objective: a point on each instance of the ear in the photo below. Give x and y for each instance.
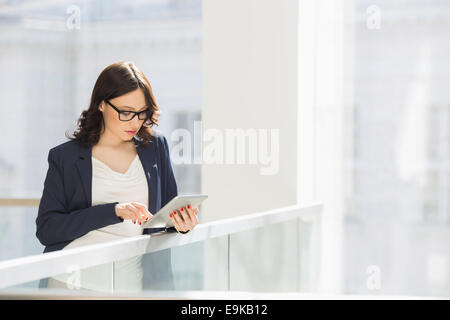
(101, 106)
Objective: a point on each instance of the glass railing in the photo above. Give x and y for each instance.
(272, 251)
(18, 228)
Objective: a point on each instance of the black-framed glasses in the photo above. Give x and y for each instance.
(126, 115)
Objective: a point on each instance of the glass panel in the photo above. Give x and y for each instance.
(277, 258)
(93, 279)
(188, 265)
(396, 232)
(97, 279)
(196, 266)
(17, 232)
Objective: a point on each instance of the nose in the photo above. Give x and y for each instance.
(136, 123)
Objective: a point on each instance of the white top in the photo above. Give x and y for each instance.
(111, 186)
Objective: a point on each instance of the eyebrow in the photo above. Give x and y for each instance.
(132, 109)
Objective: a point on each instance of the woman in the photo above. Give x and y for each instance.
(108, 179)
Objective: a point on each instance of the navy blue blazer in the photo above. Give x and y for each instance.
(65, 209)
(66, 212)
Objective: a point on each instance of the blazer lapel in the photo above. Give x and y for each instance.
(84, 166)
(147, 156)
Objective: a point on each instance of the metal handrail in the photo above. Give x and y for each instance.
(35, 267)
(62, 294)
(19, 202)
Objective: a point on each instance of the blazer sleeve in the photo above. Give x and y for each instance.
(54, 223)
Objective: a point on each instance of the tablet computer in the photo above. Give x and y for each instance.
(162, 219)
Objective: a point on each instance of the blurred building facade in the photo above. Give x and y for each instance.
(397, 133)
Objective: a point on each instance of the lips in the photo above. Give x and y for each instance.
(130, 132)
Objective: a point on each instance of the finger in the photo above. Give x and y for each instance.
(177, 216)
(135, 212)
(174, 222)
(128, 214)
(192, 216)
(132, 216)
(143, 209)
(145, 215)
(179, 220)
(196, 219)
(137, 205)
(188, 218)
(195, 209)
(185, 215)
(191, 213)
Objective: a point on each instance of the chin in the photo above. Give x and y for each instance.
(126, 138)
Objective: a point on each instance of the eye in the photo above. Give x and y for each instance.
(126, 113)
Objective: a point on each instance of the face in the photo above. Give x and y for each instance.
(124, 130)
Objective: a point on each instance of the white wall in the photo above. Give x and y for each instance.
(249, 81)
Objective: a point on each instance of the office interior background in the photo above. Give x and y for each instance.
(358, 90)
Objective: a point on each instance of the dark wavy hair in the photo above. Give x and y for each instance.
(115, 80)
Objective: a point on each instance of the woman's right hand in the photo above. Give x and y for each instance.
(134, 211)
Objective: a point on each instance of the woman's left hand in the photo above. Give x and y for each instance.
(185, 218)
